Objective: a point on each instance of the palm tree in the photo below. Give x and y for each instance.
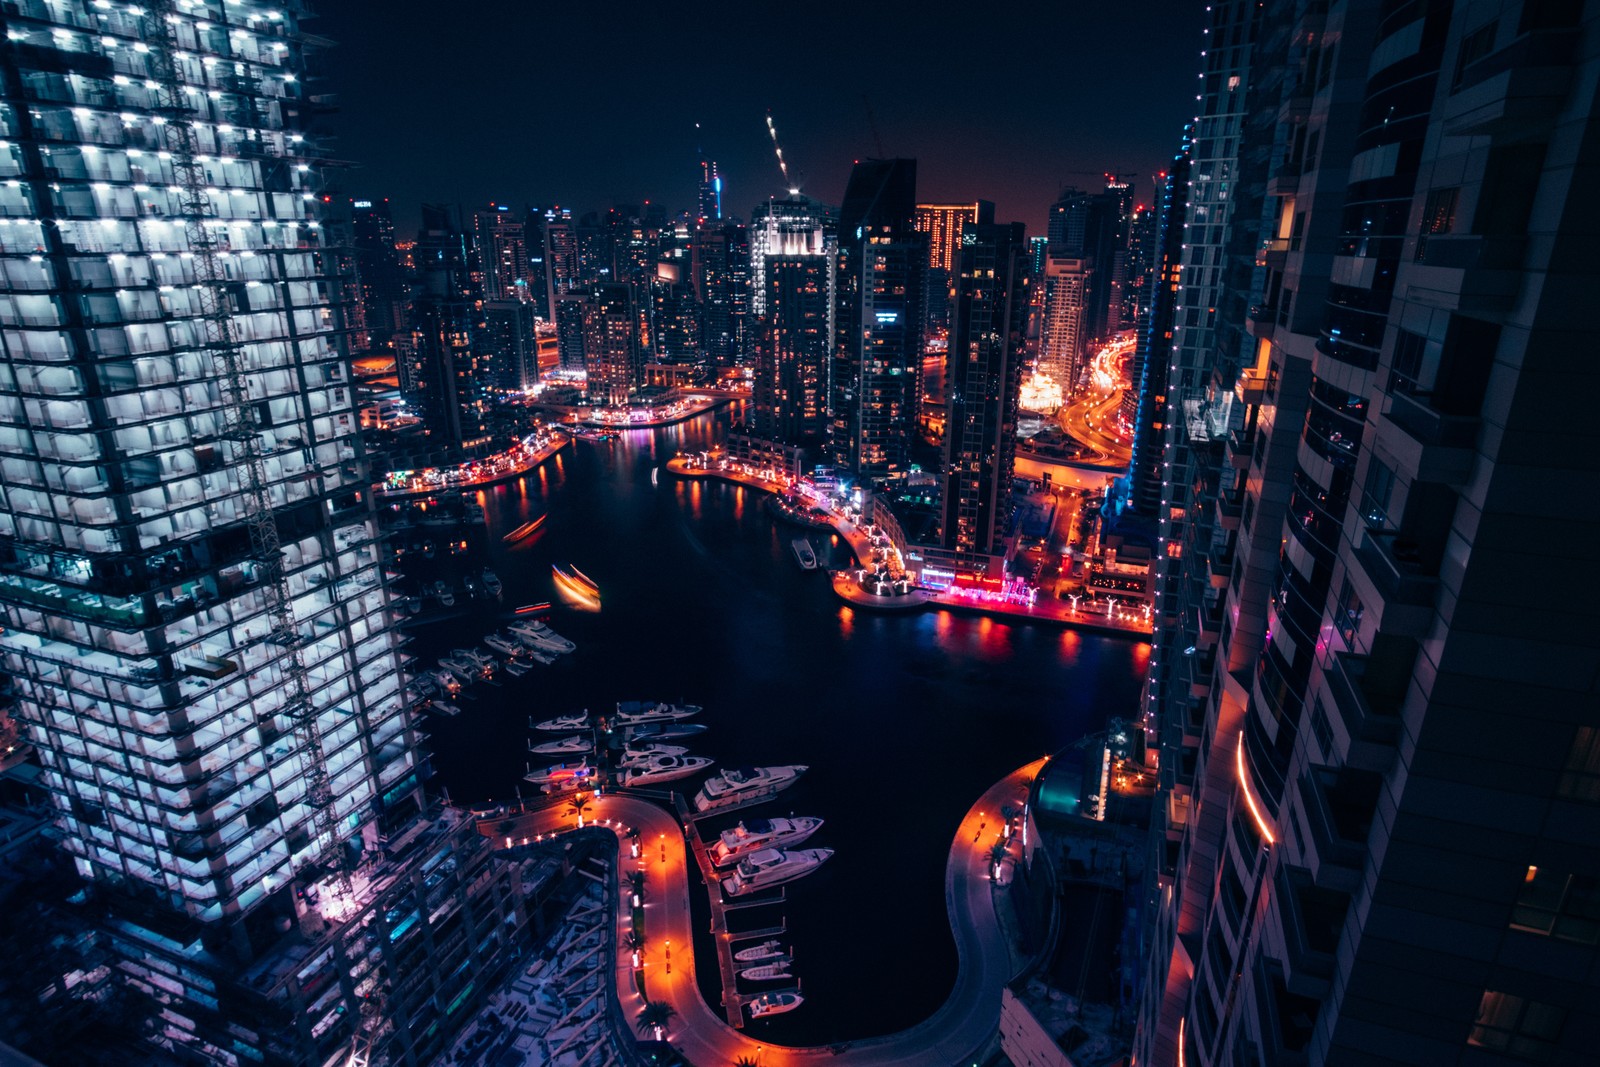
(1009, 814)
(576, 806)
(636, 882)
(655, 1016)
(746, 1061)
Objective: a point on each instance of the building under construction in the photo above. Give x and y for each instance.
(194, 613)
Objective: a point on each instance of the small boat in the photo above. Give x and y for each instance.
(562, 775)
(665, 731)
(575, 580)
(471, 586)
(492, 583)
(464, 670)
(484, 662)
(642, 712)
(576, 721)
(444, 707)
(767, 972)
(765, 952)
(516, 668)
(527, 529)
(803, 554)
(634, 755)
(446, 597)
(772, 867)
(665, 769)
(734, 786)
(566, 746)
(538, 635)
(774, 1004)
(757, 834)
(447, 682)
(503, 646)
(542, 655)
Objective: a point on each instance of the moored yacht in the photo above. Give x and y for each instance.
(774, 1004)
(664, 769)
(565, 746)
(766, 972)
(765, 952)
(464, 670)
(803, 554)
(757, 834)
(540, 635)
(578, 720)
(664, 731)
(516, 668)
(734, 786)
(771, 867)
(634, 754)
(562, 775)
(491, 583)
(641, 712)
(499, 644)
(446, 597)
(444, 707)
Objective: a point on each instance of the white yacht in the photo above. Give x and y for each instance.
(774, 1004)
(578, 720)
(466, 671)
(485, 662)
(499, 644)
(447, 682)
(539, 635)
(562, 775)
(566, 746)
(665, 769)
(771, 867)
(634, 755)
(516, 668)
(446, 597)
(765, 952)
(639, 712)
(735, 786)
(757, 834)
(766, 972)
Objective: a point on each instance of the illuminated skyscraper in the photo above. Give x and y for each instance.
(560, 257)
(794, 347)
(382, 283)
(611, 349)
(942, 223)
(982, 380)
(1376, 825)
(195, 619)
(794, 225)
(878, 322)
(500, 242)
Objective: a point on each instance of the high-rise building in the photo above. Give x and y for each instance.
(878, 322)
(675, 318)
(611, 350)
(983, 377)
(1153, 346)
(1377, 817)
(380, 280)
(942, 223)
(508, 338)
(794, 347)
(1064, 333)
(709, 199)
(569, 329)
(793, 225)
(500, 243)
(451, 363)
(560, 257)
(712, 278)
(196, 628)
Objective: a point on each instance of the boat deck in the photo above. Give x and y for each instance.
(690, 815)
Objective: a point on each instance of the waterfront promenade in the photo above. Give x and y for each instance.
(955, 1033)
(1045, 610)
(500, 467)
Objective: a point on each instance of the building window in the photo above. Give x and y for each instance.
(1376, 496)
(1580, 780)
(1347, 617)
(1406, 367)
(1322, 730)
(1560, 905)
(1521, 1028)
(1474, 46)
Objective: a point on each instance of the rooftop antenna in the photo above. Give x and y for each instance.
(783, 167)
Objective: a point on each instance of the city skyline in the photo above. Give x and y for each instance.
(481, 97)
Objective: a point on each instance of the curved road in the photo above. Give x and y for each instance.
(965, 1022)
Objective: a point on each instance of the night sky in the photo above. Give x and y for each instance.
(592, 103)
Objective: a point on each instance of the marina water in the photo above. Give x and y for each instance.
(903, 720)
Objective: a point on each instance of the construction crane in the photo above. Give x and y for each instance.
(783, 167)
(241, 422)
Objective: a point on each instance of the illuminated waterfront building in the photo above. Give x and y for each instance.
(942, 223)
(611, 350)
(794, 225)
(1376, 831)
(878, 322)
(195, 621)
(508, 333)
(500, 245)
(982, 378)
(794, 346)
(450, 364)
(560, 257)
(381, 281)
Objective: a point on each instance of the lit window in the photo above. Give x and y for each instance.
(1522, 1028)
(1558, 905)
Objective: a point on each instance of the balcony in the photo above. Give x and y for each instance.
(1286, 1021)
(1438, 447)
(1368, 710)
(1518, 90)
(1490, 271)
(1285, 181)
(1255, 385)
(1401, 575)
(1311, 919)
(1241, 447)
(1261, 321)
(1273, 253)
(1339, 806)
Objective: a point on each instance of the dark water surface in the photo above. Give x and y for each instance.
(903, 720)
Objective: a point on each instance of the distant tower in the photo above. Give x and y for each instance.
(611, 350)
(878, 322)
(500, 239)
(710, 198)
(942, 223)
(445, 324)
(984, 376)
